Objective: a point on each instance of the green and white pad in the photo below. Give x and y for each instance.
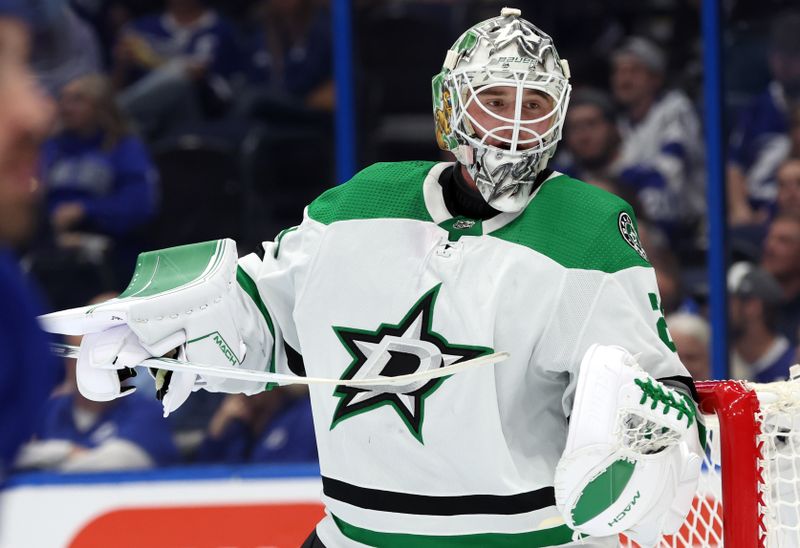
(182, 296)
(633, 456)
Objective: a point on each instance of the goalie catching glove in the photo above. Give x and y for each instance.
(633, 455)
(188, 298)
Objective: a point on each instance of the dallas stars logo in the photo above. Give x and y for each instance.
(394, 350)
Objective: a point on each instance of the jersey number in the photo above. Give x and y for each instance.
(661, 324)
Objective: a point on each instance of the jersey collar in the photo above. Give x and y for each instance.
(434, 200)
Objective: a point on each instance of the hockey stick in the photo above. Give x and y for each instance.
(169, 364)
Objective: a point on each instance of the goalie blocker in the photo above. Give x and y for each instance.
(194, 298)
(633, 455)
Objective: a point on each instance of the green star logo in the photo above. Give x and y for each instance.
(393, 350)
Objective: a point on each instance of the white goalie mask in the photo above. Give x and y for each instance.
(499, 103)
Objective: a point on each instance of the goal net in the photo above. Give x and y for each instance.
(749, 492)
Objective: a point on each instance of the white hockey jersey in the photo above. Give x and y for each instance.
(380, 276)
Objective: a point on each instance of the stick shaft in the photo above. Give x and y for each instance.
(169, 364)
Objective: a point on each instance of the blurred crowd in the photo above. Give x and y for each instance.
(184, 120)
(175, 121)
(640, 136)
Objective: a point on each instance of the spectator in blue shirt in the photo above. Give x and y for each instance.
(661, 157)
(80, 435)
(289, 436)
(271, 427)
(781, 258)
(760, 353)
(99, 177)
(27, 371)
(783, 196)
(288, 62)
(760, 141)
(174, 68)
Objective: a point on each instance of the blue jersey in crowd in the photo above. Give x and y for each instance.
(305, 66)
(135, 418)
(116, 186)
(288, 437)
(211, 40)
(28, 372)
(759, 143)
(775, 365)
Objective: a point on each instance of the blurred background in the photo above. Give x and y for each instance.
(185, 120)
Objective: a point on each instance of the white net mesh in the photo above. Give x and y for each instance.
(645, 436)
(776, 436)
(780, 435)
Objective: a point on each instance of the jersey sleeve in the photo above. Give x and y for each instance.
(278, 281)
(609, 296)
(621, 308)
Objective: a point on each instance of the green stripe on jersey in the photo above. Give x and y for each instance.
(279, 239)
(533, 539)
(578, 226)
(575, 224)
(249, 286)
(381, 191)
(166, 269)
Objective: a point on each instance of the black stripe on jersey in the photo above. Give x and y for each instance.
(404, 503)
(294, 360)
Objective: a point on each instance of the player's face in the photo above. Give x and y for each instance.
(24, 117)
(588, 134)
(781, 256)
(493, 107)
(789, 187)
(632, 81)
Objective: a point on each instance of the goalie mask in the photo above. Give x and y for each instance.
(499, 104)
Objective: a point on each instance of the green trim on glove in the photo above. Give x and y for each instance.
(166, 269)
(603, 491)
